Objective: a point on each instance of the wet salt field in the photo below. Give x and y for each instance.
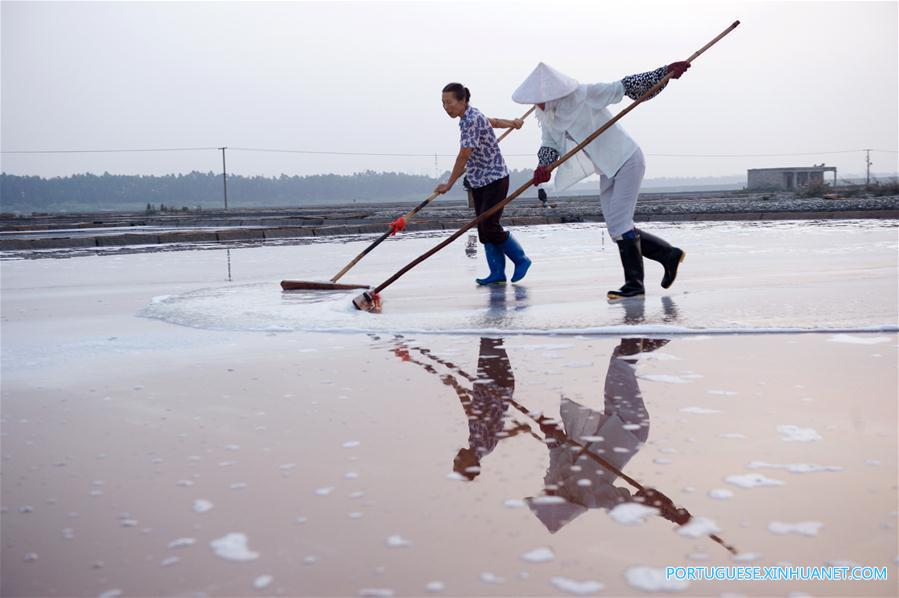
(174, 424)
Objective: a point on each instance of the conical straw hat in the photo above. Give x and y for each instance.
(544, 84)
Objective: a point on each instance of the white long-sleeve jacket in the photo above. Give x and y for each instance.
(568, 121)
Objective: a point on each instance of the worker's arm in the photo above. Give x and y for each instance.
(458, 170)
(636, 85)
(504, 123)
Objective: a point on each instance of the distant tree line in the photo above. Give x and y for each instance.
(197, 190)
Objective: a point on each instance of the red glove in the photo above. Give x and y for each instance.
(541, 175)
(678, 68)
(397, 225)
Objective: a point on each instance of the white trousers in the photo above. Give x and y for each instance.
(618, 195)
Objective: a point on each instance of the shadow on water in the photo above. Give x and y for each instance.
(589, 449)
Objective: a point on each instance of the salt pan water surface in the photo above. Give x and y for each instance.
(765, 277)
(171, 424)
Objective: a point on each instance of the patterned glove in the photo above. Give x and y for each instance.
(678, 68)
(541, 175)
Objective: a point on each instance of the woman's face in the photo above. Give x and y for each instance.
(455, 108)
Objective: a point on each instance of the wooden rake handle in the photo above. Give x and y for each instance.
(551, 167)
(410, 214)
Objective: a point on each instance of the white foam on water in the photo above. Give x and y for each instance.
(324, 491)
(539, 555)
(752, 480)
(649, 579)
(351, 444)
(262, 582)
(698, 527)
(723, 393)
(549, 500)
(376, 592)
(435, 587)
(397, 541)
(858, 340)
(794, 467)
(202, 505)
(263, 307)
(182, 542)
(233, 547)
(803, 528)
(632, 513)
(592, 438)
(720, 494)
(488, 577)
(578, 588)
(732, 435)
(791, 433)
(699, 410)
(514, 503)
(666, 378)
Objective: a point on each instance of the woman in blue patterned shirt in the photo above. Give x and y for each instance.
(486, 173)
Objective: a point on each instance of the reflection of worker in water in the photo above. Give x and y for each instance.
(613, 436)
(487, 408)
(541, 195)
(486, 404)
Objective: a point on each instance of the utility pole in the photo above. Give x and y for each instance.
(436, 174)
(225, 176)
(868, 166)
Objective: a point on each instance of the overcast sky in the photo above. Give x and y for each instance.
(794, 78)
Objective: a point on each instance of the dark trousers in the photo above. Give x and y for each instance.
(489, 229)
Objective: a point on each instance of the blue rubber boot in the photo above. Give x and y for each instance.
(496, 261)
(512, 249)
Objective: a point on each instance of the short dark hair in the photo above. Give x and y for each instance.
(459, 91)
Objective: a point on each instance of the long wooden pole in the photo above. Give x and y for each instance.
(409, 215)
(367, 298)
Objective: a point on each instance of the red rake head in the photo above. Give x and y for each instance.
(367, 301)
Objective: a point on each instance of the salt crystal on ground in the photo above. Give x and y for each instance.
(233, 547)
(539, 555)
(631, 513)
(752, 480)
(578, 588)
(262, 581)
(794, 467)
(720, 494)
(698, 527)
(699, 410)
(435, 586)
(803, 528)
(662, 378)
(397, 541)
(791, 433)
(201, 505)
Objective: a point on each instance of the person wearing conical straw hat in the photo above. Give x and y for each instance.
(486, 173)
(568, 112)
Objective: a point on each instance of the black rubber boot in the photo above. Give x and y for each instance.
(632, 262)
(660, 250)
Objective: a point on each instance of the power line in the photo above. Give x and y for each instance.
(109, 151)
(411, 155)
